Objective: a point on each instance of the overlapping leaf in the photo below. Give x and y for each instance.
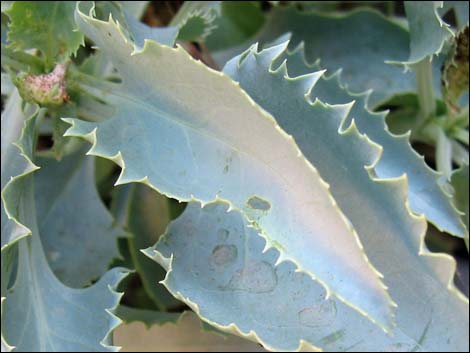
(213, 259)
(39, 313)
(420, 281)
(145, 214)
(331, 39)
(230, 149)
(62, 188)
(425, 193)
(428, 32)
(15, 168)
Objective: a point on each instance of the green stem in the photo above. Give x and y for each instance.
(84, 79)
(443, 153)
(20, 61)
(426, 99)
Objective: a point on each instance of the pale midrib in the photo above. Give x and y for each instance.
(155, 111)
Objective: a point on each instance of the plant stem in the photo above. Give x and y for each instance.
(427, 103)
(20, 61)
(443, 153)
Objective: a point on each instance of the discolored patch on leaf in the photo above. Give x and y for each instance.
(258, 203)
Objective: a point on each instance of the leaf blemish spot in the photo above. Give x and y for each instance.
(258, 203)
(223, 255)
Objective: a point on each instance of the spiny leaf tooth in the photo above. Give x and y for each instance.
(307, 81)
(237, 61)
(267, 56)
(375, 150)
(126, 177)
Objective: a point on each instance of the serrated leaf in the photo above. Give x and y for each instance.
(426, 195)
(329, 38)
(14, 167)
(60, 189)
(195, 19)
(145, 214)
(392, 236)
(220, 159)
(428, 31)
(460, 183)
(47, 26)
(283, 309)
(39, 312)
(137, 31)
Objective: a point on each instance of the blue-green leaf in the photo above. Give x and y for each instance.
(232, 150)
(42, 314)
(5, 346)
(39, 312)
(217, 265)
(62, 188)
(376, 207)
(428, 32)
(330, 38)
(14, 166)
(137, 31)
(145, 214)
(426, 194)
